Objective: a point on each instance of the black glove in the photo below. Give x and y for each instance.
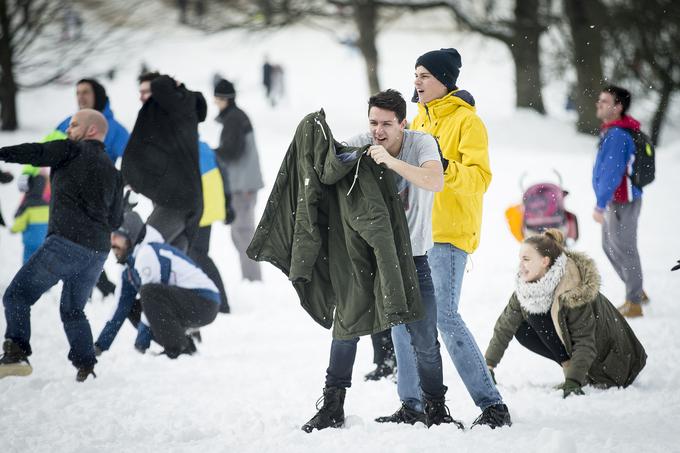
(493, 376)
(130, 200)
(5, 177)
(231, 214)
(676, 267)
(571, 387)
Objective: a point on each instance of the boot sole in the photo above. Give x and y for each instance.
(15, 370)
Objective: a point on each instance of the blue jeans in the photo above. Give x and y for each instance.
(448, 268)
(423, 334)
(79, 268)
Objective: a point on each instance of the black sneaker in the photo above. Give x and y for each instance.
(404, 415)
(14, 361)
(437, 413)
(494, 417)
(84, 372)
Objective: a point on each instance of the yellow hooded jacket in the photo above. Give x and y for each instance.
(462, 137)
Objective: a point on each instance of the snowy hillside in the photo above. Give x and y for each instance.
(261, 368)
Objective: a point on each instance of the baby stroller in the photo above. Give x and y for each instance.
(542, 207)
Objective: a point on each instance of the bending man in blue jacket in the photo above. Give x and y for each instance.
(175, 295)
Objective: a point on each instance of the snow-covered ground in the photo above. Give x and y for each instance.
(261, 368)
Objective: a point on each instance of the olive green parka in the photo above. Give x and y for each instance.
(335, 225)
(602, 347)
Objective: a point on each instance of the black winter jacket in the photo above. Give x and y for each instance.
(161, 157)
(87, 190)
(344, 251)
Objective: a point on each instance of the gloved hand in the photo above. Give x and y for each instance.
(231, 214)
(493, 376)
(571, 387)
(676, 267)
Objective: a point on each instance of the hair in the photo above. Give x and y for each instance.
(148, 76)
(550, 243)
(621, 96)
(391, 100)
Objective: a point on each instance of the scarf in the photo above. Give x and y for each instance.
(536, 297)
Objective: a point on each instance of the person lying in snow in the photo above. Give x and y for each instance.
(558, 312)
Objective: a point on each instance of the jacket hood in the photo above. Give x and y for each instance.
(444, 106)
(625, 122)
(100, 97)
(581, 282)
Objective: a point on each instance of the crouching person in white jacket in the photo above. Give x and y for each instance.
(175, 294)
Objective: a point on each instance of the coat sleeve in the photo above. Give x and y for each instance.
(116, 211)
(170, 97)
(506, 327)
(472, 175)
(581, 325)
(125, 303)
(20, 222)
(233, 138)
(50, 154)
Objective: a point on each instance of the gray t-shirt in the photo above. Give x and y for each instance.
(416, 149)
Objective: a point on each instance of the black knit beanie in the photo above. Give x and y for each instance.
(225, 89)
(444, 64)
(100, 97)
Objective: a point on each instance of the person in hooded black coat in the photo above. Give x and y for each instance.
(161, 158)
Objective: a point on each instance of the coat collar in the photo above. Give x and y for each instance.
(581, 282)
(446, 105)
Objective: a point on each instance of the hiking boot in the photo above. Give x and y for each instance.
(644, 299)
(437, 413)
(84, 372)
(331, 413)
(494, 417)
(383, 370)
(14, 361)
(630, 310)
(404, 415)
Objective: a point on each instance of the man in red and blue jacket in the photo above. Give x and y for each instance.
(618, 202)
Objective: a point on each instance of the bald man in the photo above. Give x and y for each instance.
(86, 206)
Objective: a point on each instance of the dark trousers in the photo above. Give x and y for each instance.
(178, 227)
(172, 310)
(423, 338)
(199, 253)
(383, 348)
(79, 268)
(538, 335)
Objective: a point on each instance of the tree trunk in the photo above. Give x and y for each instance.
(525, 50)
(661, 109)
(365, 17)
(583, 16)
(8, 86)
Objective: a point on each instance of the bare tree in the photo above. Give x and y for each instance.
(43, 40)
(645, 37)
(586, 20)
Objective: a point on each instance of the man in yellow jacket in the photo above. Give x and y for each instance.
(449, 115)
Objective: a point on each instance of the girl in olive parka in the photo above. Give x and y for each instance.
(558, 312)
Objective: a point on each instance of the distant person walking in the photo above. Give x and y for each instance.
(161, 160)
(238, 157)
(86, 205)
(618, 200)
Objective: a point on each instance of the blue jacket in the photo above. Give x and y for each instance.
(116, 138)
(613, 164)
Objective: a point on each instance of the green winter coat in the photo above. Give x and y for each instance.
(602, 347)
(344, 251)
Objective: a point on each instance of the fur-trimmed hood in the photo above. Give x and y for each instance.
(581, 281)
